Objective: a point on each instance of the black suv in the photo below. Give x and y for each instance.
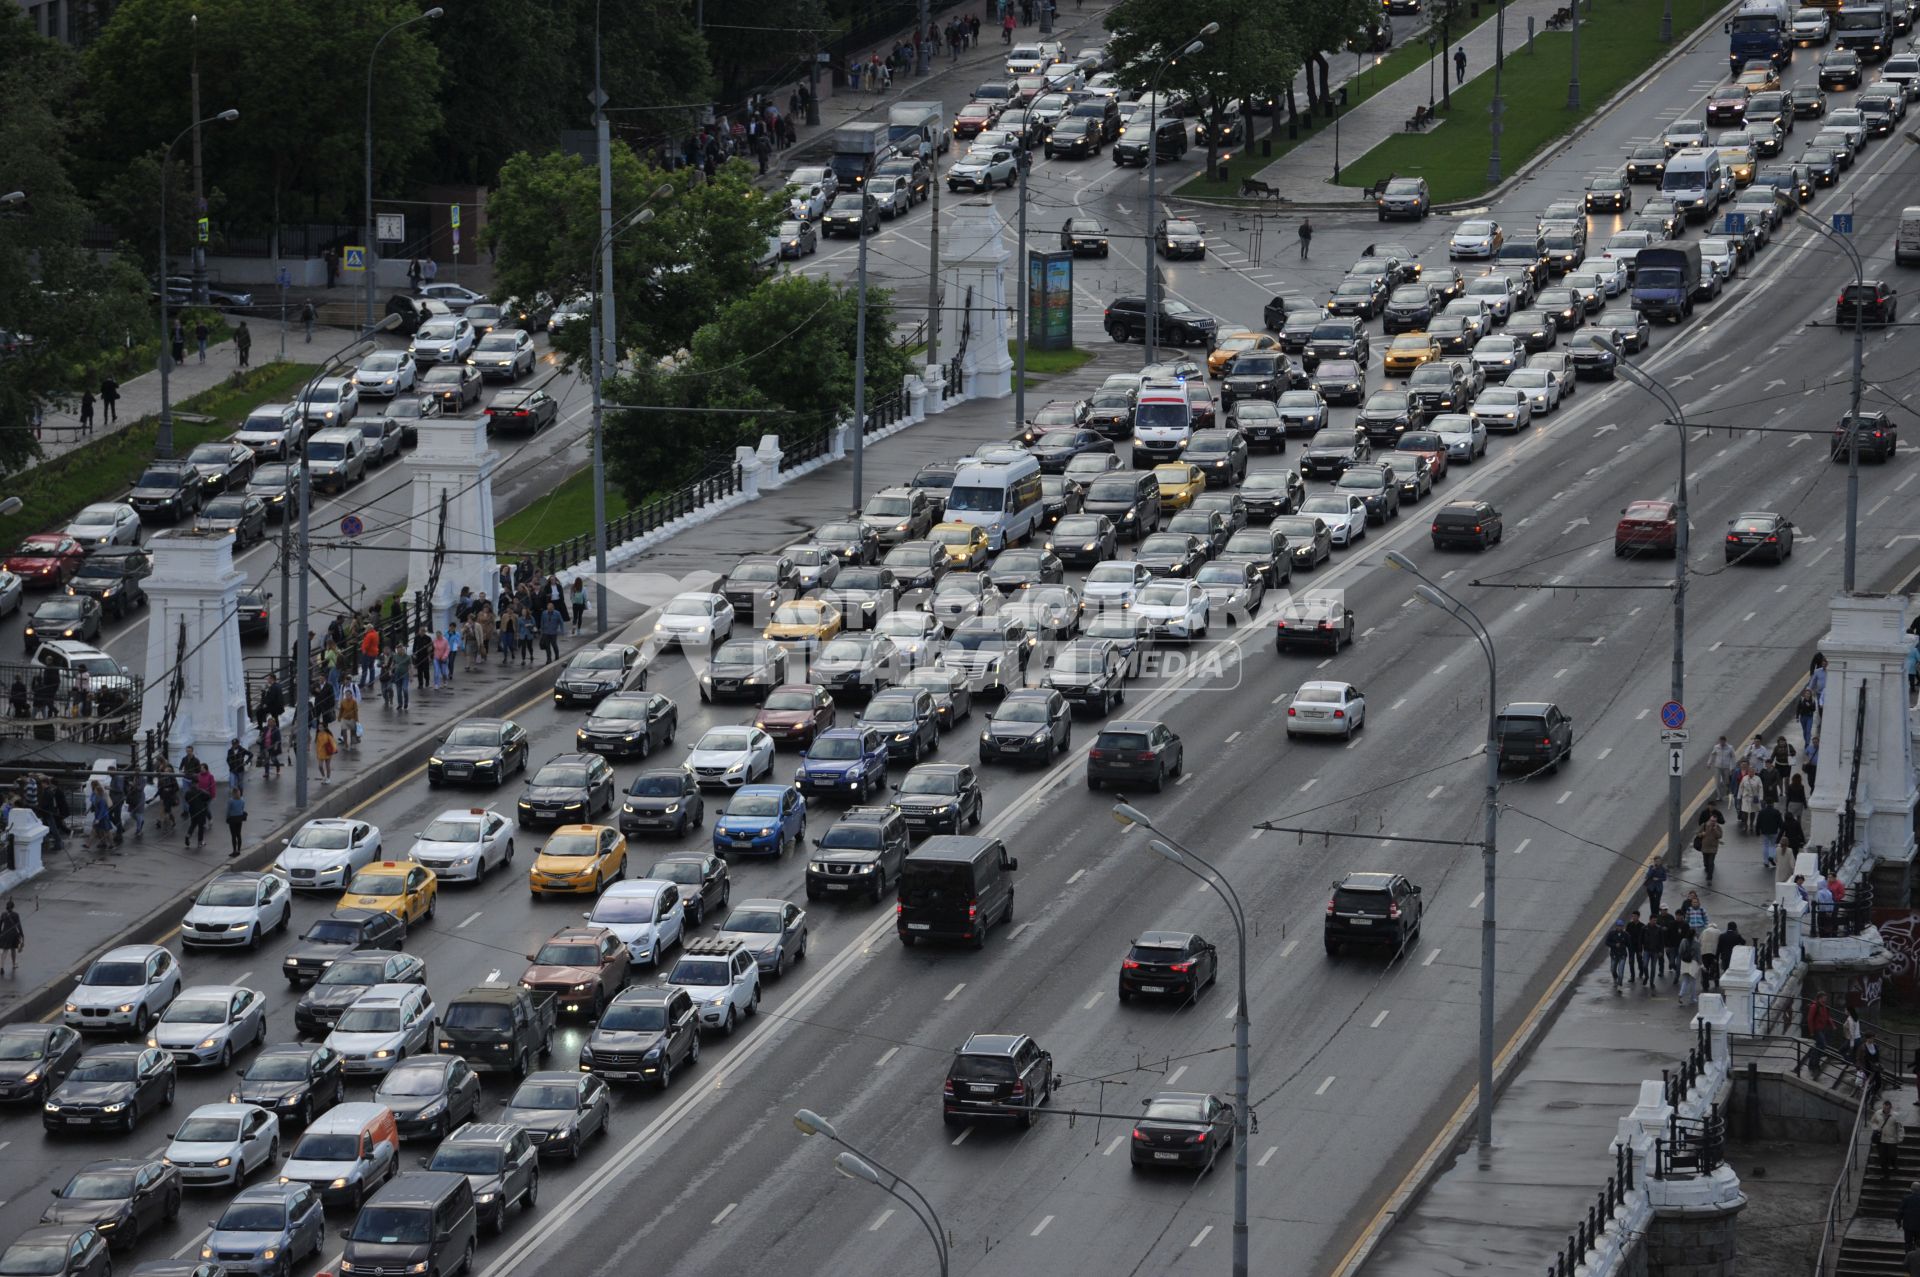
(1031, 725)
(112, 574)
(1439, 385)
(1871, 302)
(996, 1075)
(1170, 139)
(860, 853)
(501, 1164)
(1133, 752)
(1532, 735)
(643, 1035)
(166, 491)
(1372, 909)
(1178, 325)
(1466, 522)
(1879, 439)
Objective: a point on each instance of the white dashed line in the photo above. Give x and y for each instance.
(1184, 778)
(1428, 960)
(493, 977)
(1078, 874)
(954, 992)
(1435, 792)
(1267, 1156)
(1748, 617)
(1642, 714)
(1322, 665)
(1324, 1086)
(1233, 738)
(1397, 704)
(1041, 1227)
(1441, 668)
(890, 1053)
(1176, 1075)
(1276, 700)
(1524, 843)
(1717, 645)
(1309, 784)
(1112, 1145)
(1202, 1236)
(1378, 1020)
(960, 1139)
(886, 1214)
(1561, 672)
(1561, 800)
(725, 1211)
(1475, 903)
(1093, 1001)
(1603, 753)
(1017, 930)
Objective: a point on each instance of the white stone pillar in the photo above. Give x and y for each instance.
(1716, 1015)
(454, 463)
(29, 841)
(979, 271)
(935, 377)
(1868, 645)
(194, 584)
(752, 472)
(837, 442)
(916, 399)
(1737, 984)
(769, 454)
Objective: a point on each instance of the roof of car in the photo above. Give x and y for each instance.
(1366, 880)
(1164, 939)
(992, 1044)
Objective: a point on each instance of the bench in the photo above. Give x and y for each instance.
(1417, 122)
(1560, 18)
(1254, 188)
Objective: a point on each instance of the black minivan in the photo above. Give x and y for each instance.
(954, 887)
(421, 1222)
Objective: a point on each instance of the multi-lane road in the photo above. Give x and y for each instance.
(1356, 1062)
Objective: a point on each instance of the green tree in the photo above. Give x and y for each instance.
(80, 312)
(701, 249)
(782, 356)
(297, 75)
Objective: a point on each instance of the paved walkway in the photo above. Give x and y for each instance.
(1304, 175)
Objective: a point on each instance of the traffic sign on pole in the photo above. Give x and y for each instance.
(1676, 764)
(354, 257)
(1843, 223)
(456, 217)
(1673, 715)
(351, 526)
(1736, 223)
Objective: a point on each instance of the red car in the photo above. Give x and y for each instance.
(1425, 443)
(46, 559)
(796, 713)
(1646, 525)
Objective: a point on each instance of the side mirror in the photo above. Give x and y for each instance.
(1416, 891)
(1011, 863)
(424, 1161)
(239, 1072)
(346, 1234)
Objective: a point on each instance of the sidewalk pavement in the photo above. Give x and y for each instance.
(1304, 175)
(1557, 1116)
(83, 899)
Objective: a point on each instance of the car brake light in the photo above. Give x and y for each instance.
(973, 909)
(1326, 625)
(1201, 1138)
(1183, 967)
(1546, 741)
(1732, 537)
(1144, 756)
(898, 909)
(1140, 1135)
(1128, 964)
(1339, 713)
(946, 1088)
(1393, 911)
(1329, 906)
(1292, 712)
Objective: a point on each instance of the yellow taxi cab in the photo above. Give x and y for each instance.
(965, 544)
(1180, 482)
(404, 888)
(1232, 344)
(578, 860)
(803, 623)
(1408, 351)
(1739, 161)
(1760, 76)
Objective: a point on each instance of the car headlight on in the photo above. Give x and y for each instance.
(436, 762)
(111, 1108)
(382, 1053)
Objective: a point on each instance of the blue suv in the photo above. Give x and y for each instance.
(765, 820)
(844, 760)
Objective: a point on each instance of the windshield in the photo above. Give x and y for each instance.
(894, 711)
(572, 846)
(473, 1159)
(474, 734)
(377, 884)
(635, 1017)
(371, 972)
(753, 805)
(893, 624)
(278, 1068)
(562, 775)
(208, 1130)
(228, 895)
(428, 1080)
(688, 607)
(325, 1146)
(407, 408)
(1859, 19)
(322, 838)
(617, 909)
(376, 1019)
(845, 650)
(1164, 1109)
(98, 1186)
(1021, 712)
(394, 1225)
(977, 499)
(151, 479)
(759, 922)
(655, 786)
(1160, 415)
(452, 829)
(700, 971)
(598, 658)
(253, 1217)
(568, 953)
(1221, 574)
(34, 1259)
(834, 748)
(725, 740)
(1162, 595)
(795, 700)
(333, 931)
(889, 507)
(740, 655)
(485, 1017)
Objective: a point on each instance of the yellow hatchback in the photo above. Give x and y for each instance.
(1180, 482)
(403, 888)
(965, 544)
(1232, 344)
(1407, 352)
(578, 860)
(803, 623)
(1761, 77)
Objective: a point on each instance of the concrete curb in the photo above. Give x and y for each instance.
(156, 922)
(1522, 174)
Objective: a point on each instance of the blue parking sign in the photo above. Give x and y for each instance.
(1843, 223)
(1736, 223)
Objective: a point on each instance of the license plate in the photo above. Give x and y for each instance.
(1153, 988)
(1361, 922)
(919, 926)
(1166, 1157)
(981, 1090)
(80, 1121)
(622, 1077)
(1009, 746)
(742, 842)
(839, 886)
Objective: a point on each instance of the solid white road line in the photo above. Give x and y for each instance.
(1041, 1227)
(724, 1212)
(1200, 1237)
(1323, 1087)
(885, 1215)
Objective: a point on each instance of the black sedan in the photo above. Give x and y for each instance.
(251, 613)
(1032, 725)
(122, 1198)
(482, 750)
(64, 616)
(340, 933)
(704, 882)
(1016, 570)
(1168, 964)
(35, 1058)
(743, 670)
(58, 1250)
(1629, 328)
(1182, 1128)
(1111, 413)
(297, 1081)
(1322, 622)
(166, 491)
(1175, 554)
(522, 411)
(560, 1111)
(223, 467)
(1054, 449)
(1272, 493)
(278, 488)
(629, 723)
(1081, 540)
(1759, 535)
(1266, 550)
(1260, 422)
(1084, 236)
(1309, 540)
(1821, 164)
(597, 672)
(240, 513)
(111, 1086)
(567, 790)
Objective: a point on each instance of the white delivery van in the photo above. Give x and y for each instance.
(999, 492)
(1693, 181)
(1906, 243)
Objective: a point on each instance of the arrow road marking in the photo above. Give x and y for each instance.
(1580, 522)
(1797, 440)
(1776, 382)
(1609, 428)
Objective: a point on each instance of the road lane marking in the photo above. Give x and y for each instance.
(1642, 714)
(887, 1214)
(471, 918)
(725, 1211)
(1093, 1001)
(1441, 668)
(1428, 960)
(1561, 800)
(954, 992)
(1017, 930)
(1176, 1075)
(1523, 846)
(1378, 1020)
(1435, 792)
(1276, 700)
(1289, 947)
(1233, 738)
(1202, 1236)
(1748, 617)
(1255, 834)
(1112, 1144)
(1184, 778)
(1078, 874)
(244, 976)
(1041, 1227)
(493, 976)
(1397, 704)
(1717, 645)
(1561, 672)
(1475, 902)
(1322, 665)
(891, 1052)
(1309, 784)
(1267, 1156)
(1323, 1087)
(961, 1137)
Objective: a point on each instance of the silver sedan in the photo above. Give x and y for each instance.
(106, 523)
(1326, 708)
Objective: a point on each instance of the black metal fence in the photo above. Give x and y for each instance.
(801, 451)
(722, 481)
(1692, 1147)
(1606, 1201)
(45, 704)
(886, 412)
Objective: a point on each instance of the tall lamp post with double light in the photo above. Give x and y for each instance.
(163, 437)
(372, 249)
(1193, 46)
(1164, 844)
(855, 1164)
(1430, 592)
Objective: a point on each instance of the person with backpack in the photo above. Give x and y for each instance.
(1689, 957)
(324, 748)
(168, 790)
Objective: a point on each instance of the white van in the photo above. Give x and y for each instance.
(1906, 244)
(1694, 181)
(1001, 493)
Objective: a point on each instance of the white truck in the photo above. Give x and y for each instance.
(918, 128)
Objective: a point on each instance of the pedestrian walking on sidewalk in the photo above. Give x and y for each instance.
(369, 655)
(1637, 948)
(242, 342)
(453, 650)
(1768, 824)
(236, 822)
(1909, 1216)
(239, 758)
(324, 748)
(1796, 805)
(1710, 959)
(1689, 958)
(529, 631)
(1460, 63)
(1803, 709)
(1850, 1033)
(199, 808)
(1618, 952)
(578, 597)
(1809, 761)
(178, 340)
(1721, 759)
(1006, 26)
(439, 660)
(413, 274)
(13, 938)
(1693, 913)
(307, 316)
(1656, 884)
(1750, 796)
(350, 716)
(402, 684)
(1707, 841)
(269, 746)
(1665, 942)
(86, 412)
(109, 402)
(1820, 1024)
(200, 334)
(552, 625)
(1306, 236)
(168, 788)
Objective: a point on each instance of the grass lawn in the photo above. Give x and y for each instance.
(1049, 363)
(51, 494)
(567, 511)
(1618, 40)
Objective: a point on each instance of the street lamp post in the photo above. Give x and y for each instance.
(1153, 155)
(1430, 592)
(1573, 83)
(1499, 105)
(1164, 844)
(1682, 535)
(163, 438)
(855, 1164)
(372, 244)
(1433, 49)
